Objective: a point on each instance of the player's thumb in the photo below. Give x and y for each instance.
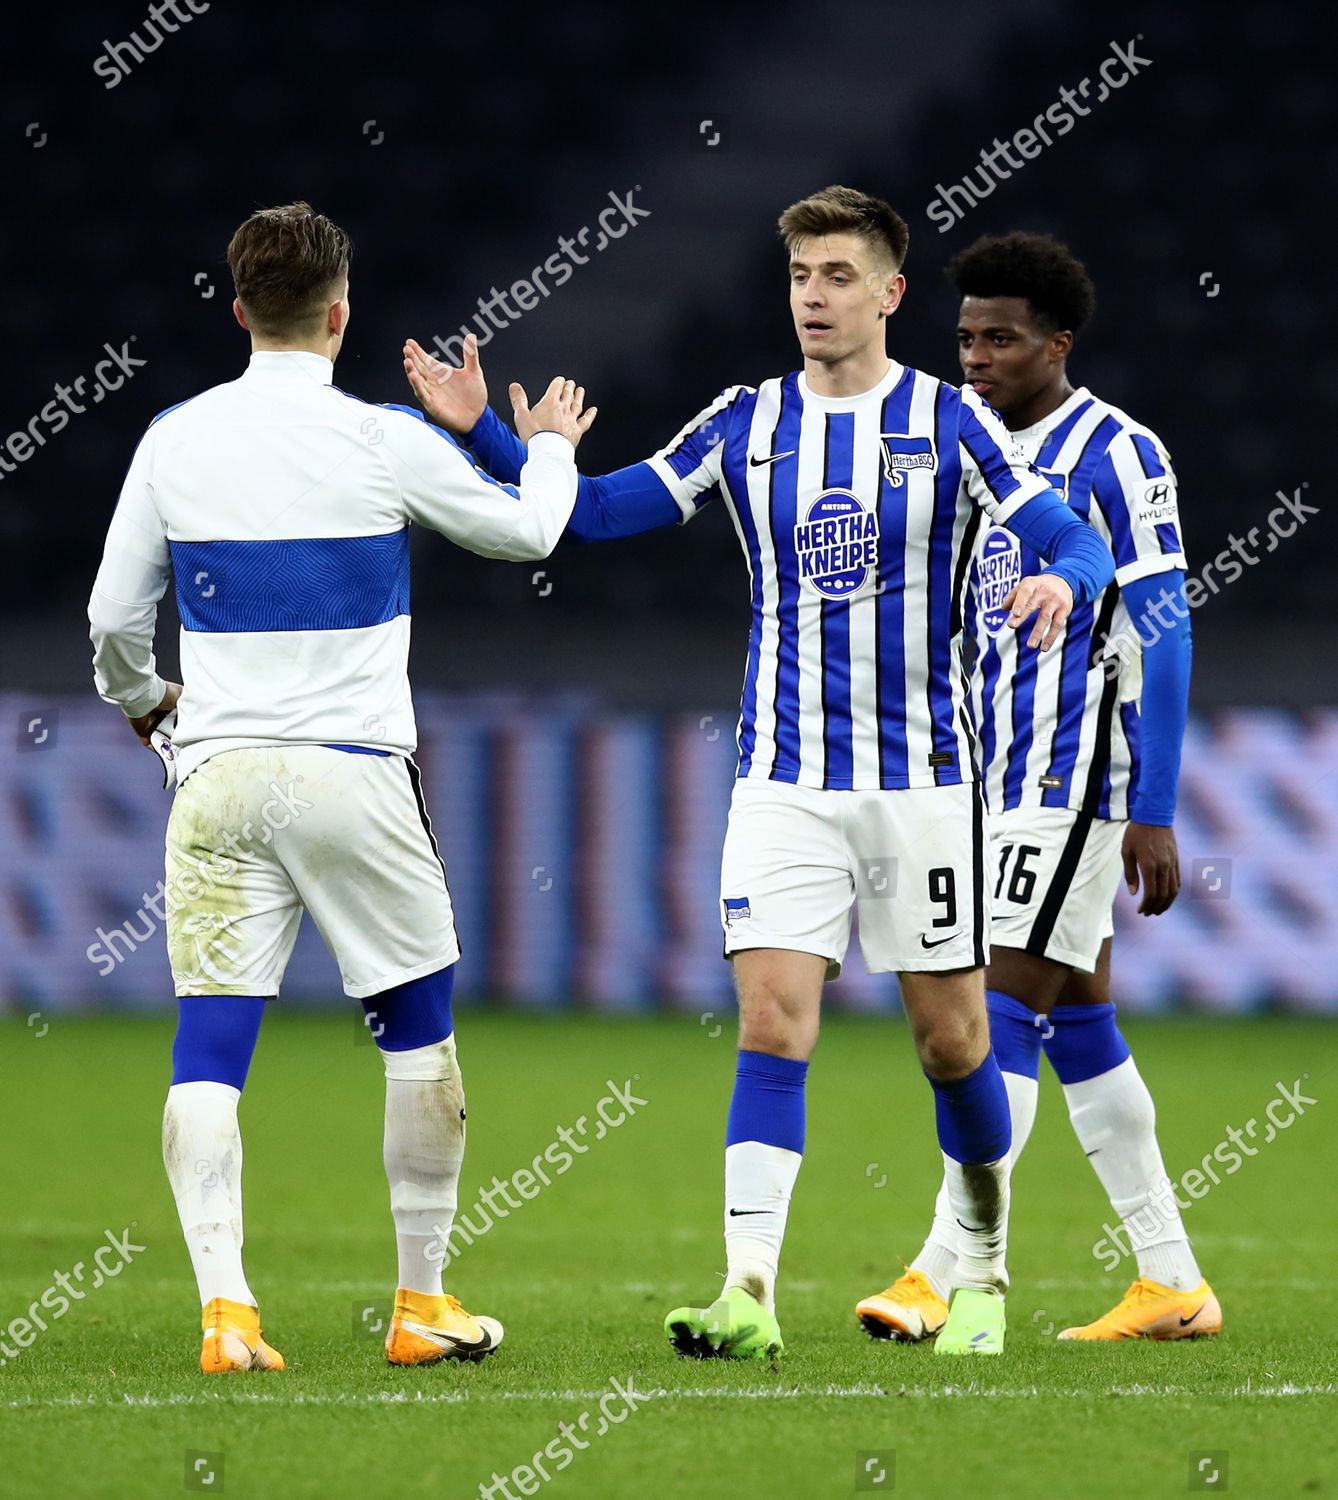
(1131, 871)
(471, 351)
(520, 402)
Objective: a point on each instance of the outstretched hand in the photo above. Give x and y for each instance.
(562, 409)
(452, 398)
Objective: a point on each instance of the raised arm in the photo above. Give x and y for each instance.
(444, 490)
(667, 488)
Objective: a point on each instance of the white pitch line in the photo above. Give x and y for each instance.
(837, 1392)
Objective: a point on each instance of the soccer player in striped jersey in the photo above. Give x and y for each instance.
(856, 486)
(283, 507)
(1081, 755)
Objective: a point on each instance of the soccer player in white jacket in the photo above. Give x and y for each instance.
(282, 506)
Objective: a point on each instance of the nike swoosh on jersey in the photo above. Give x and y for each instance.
(771, 458)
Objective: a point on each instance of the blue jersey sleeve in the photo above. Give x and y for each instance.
(670, 486)
(1074, 550)
(496, 447)
(1167, 658)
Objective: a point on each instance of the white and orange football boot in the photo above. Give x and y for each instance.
(1152, 1311)
(910, 1310)
(426, 1329)
(232, 1339)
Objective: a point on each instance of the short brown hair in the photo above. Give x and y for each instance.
(843, 210)
(285, 264)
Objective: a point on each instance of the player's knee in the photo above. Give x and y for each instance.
(429, 1064)
(776, 1023)
(951, 1046)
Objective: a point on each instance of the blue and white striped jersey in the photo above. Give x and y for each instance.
(1060, 728)
(858, 518)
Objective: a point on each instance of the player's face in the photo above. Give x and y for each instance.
(1006, 356)
(840, 296)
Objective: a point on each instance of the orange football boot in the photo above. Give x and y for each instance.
(1152, 1311)
(232, 1339)
(909, 1310)
(426, 1329)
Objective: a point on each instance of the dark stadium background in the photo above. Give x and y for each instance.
(457, 144)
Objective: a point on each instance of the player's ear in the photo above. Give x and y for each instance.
(239, 312)
(896, 289)
(1061, 345)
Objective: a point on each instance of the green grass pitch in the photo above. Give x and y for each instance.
(109, 1400)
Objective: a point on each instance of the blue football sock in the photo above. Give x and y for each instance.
(1085, 1042)
(974, 1126)
(216, 1037)
(414, 1014)
(1015, 1034)
(768, 1102)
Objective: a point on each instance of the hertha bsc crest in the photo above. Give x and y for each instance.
(903, 453)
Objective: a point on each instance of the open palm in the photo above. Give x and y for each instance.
(452, 398)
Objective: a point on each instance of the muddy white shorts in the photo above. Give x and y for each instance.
(256, 836)
(798, 861)
(1053, 878)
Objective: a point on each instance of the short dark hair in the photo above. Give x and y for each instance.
(844, 210)
(285, 264)
(1035, 266)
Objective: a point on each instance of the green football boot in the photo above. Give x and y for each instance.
(735, 1326)
(975, 1324)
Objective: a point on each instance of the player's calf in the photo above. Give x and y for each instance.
(947, 1014)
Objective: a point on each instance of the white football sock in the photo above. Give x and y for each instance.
(937, 1259)
(424, 1150)
(1116, 1122)
(1023, 1093)
(758, 1182)
(202, 1151)
(978, 1202)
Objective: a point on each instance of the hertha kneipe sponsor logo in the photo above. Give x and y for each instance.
(998, 573)
(837, 545)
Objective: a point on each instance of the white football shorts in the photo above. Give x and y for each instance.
(799, 860)
(1053, 878)
(256, 836)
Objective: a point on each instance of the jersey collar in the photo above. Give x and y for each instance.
(1040, 430)
(844, 403)
(292, 364)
